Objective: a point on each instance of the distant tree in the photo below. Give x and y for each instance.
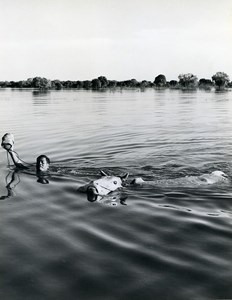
(229, 84)
(129, 83)
(160, 81)
(133, 83)
(56, 84)
(119, 84)
(68, 84)
(173, 84)
(150, 84)
(220, 79)
(20, 84)
(112, 84)
(96, 84)
(87, 84)
(187, 81)
(205, 84)
(41, 83)
(104, 81)
(12, 84)
(29, 83)
(73, 84)
(79, 84)
(143, 84)
(125, 83)
(6, 83)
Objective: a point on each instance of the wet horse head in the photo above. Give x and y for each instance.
(104, 185)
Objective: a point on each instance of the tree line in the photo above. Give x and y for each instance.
(219, 81)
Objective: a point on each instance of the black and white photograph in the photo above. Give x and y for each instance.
(116, 150)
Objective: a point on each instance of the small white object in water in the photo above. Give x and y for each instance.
(138, 181)
(214, 177)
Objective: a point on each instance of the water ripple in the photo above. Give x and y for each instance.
(170, 241)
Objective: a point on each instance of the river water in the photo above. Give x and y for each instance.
(167, 240)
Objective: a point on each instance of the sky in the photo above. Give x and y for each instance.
(119, 39)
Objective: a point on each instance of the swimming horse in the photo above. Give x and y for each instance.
(103, 186)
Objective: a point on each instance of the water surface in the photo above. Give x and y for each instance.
(169, 241)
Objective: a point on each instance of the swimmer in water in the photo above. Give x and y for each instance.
(42, 161)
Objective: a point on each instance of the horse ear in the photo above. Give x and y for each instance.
(103, 173)
(124, 177)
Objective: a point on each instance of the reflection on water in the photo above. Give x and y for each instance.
(163, 241)
(12, 180)
(40, 93)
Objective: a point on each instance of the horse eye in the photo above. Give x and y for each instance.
(115, 182)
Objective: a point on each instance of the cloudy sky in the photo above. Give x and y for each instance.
(120, 39)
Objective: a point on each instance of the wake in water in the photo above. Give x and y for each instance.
(214, 178)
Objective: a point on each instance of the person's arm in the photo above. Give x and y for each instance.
(8, 145)
(16, 160)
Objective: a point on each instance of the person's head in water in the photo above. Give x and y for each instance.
(42, 163)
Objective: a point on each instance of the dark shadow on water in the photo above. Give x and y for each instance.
(42, 178)
(112, 199)
(38, 93)
(12, 179)
(41, 97)
(225, 91)
(189, 91)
